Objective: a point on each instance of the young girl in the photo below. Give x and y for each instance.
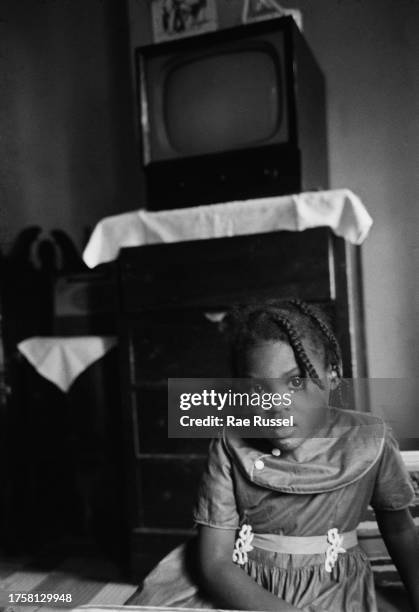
(277, 516)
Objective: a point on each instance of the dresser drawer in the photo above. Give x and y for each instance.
(228, 270)
(150, 406)
(168, 489)
(181, 344)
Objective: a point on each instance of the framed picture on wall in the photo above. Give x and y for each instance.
(179, 18)
(259, 10)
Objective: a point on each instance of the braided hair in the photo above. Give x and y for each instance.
(333, 353)
(292, 321)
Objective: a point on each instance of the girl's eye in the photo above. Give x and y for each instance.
(296, 383)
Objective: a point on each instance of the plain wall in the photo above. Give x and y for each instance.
(369, 52)
(67, 139)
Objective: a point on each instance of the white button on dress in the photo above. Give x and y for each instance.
(276, 452)
(259, 465)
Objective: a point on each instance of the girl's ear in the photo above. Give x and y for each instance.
(334, 377)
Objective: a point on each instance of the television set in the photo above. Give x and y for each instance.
(229, 115)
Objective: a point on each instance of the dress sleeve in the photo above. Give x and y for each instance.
(393, 489)
(216, 504)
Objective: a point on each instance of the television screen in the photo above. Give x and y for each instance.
(222, 102)
(221, 97)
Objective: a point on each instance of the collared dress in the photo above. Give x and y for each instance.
(326, 483)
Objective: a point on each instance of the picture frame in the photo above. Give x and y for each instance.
(260, 10)
(172, 19)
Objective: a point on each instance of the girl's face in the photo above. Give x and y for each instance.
(272, 366)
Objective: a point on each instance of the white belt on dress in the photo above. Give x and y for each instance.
(330, 544)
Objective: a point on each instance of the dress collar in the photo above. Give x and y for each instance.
(353, 444)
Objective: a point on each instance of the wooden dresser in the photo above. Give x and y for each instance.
(166, 293)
